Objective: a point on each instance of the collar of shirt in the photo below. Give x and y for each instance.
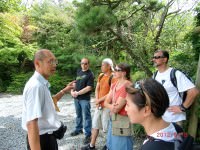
(167, 134)
(41, 79)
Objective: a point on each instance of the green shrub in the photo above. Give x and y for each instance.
(138, 131)
(58, 82)
(138, 76)
(18, 82)
(2, 87)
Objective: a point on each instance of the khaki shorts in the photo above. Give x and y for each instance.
(101, 119)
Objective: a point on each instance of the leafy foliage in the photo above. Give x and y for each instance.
(58, 82)
(136, 28)
(13, 51)
(10, 5)
(92, 19)
(195, 34)
(138, 131)
(18, 81)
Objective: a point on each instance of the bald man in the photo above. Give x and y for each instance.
(39, 117)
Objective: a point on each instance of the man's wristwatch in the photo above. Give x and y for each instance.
(183, 109)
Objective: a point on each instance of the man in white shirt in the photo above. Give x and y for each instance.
(39, 117)
(176, 111)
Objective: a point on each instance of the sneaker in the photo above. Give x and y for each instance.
(87, 147)
(75, 133)
(104, 148)
(87, 140)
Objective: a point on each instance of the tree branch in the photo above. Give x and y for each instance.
(129, 51)
(161, 23)
(174, 12)
(131, 14)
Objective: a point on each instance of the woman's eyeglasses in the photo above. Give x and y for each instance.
(118, 69)
(158, 57)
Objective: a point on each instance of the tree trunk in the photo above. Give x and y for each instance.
(193, 120)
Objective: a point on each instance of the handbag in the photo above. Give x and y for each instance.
(121, 125)
(59, 134)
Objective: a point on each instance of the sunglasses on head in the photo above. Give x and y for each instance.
(139, 87)
(158, 57)
(141, 90)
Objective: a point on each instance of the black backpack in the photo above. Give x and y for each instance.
(173, 79)
(110, 79)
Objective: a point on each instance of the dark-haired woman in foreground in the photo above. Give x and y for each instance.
(147, 101)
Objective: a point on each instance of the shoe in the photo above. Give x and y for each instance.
(75, 133)
(87, 140)
(87, 147)
(104, 148)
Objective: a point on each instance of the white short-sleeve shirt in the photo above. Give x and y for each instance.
(167, 134)
(183, 84)
(38, 104)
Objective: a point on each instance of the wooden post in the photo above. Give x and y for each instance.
(193, 120)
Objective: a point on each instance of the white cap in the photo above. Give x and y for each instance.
(109, 61)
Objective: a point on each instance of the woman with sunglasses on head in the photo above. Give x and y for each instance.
(119, 138)
(146, 103)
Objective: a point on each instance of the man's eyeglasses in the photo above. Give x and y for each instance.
(158, 57)
(118, 69)
(53, 62)
(84, 63)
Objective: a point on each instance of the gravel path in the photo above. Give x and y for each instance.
(12, 137)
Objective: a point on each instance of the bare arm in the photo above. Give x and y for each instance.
(84, 90)
(33, 134)
(191, 95)
(97, 90)
(108, 100)
(62, 92)
(115, 107)
(121, 102)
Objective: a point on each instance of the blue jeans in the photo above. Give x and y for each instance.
(83, 116)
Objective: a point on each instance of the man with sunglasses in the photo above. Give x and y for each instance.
(176, 111)
(101, 115)
(82, 95)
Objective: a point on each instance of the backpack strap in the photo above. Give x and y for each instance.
(183, 140)
(154, 74)
(101, 76)
(173, 77)
(177, 128)
(174, 82)
(110, 79)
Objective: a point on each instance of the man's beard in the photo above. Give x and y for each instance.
(155, 65)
